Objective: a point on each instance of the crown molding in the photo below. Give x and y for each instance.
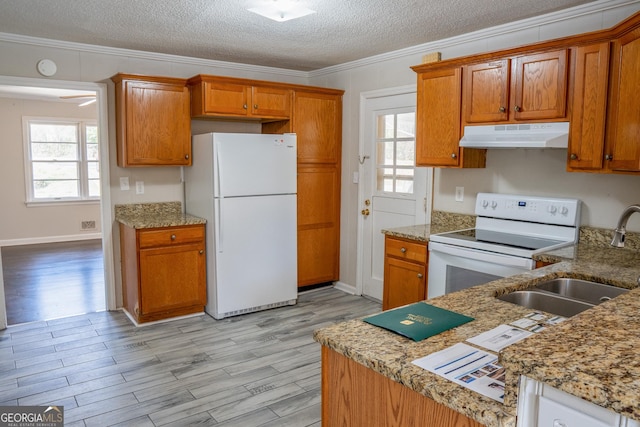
(562, 15)
(139, 54)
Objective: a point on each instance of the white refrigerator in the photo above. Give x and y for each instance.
(244, 185)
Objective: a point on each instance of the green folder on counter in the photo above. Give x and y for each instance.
(418, 321)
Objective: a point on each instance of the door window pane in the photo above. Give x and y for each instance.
(395, 157)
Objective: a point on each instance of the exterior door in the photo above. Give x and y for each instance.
(393, 192)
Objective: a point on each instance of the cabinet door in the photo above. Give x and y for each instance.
(591, 74)
(623, 143)
(318, 224)
(486, 92)
(270, 102)
(438, 117)
(158, 125)
(317, 121)
(404, 283)
(172, 277)
(539, 86)
(230, 99)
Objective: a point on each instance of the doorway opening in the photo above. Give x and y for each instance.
(66, 174)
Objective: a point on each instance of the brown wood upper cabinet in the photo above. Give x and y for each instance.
(153, 125)
(438, 121)
(525, 87)
(622, 147)
(213, 96)
(591, 75)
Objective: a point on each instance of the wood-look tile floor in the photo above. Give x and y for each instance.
(260, 369)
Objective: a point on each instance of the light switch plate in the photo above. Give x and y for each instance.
(139, 187)
(459, 194)
(124, 183)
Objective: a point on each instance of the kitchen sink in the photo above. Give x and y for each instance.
(548, 302)
(584, 290)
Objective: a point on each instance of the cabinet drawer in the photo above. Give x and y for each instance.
(170, 236)
(406, 250)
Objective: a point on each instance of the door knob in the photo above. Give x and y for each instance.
(419, 275)
(517, 109)
(367, 202)
(365, 212)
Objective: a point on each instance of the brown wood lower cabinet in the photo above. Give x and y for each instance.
(405, 272)
(163, 271)
(354, 395)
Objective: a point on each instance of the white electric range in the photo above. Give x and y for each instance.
(509, 230)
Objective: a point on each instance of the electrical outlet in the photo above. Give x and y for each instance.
(459, 194)
(139, 187)
(87, 225)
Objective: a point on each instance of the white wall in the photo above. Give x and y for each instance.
(20, 224)
(516, 171)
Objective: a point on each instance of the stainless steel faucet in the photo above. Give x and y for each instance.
(618, 236)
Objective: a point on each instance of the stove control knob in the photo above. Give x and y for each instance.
(494, 204)
(553, 209)
(485, 203)
(564, 210)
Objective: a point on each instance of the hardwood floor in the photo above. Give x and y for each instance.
(260, 369)
(53, 280)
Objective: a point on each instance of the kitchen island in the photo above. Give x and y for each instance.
(591, 355)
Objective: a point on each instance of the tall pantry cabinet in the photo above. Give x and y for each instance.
(316, 118)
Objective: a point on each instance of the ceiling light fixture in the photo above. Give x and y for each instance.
(282, 10)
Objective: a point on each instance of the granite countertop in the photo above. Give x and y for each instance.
(568, 356)
(441, 222)
(154, 215)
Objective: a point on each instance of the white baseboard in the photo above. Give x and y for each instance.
(50, 239)
(344, 287)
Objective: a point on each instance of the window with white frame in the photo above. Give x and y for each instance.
(395, 137)
(62, 163)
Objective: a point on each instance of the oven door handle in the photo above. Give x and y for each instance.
(485, 256)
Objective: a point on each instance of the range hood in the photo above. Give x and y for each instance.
(528, 135)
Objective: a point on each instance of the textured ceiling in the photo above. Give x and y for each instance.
(341, 30)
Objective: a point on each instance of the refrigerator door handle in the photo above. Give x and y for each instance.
(219, 174)
(218, 225)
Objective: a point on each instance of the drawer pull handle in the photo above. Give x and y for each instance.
(201, 251)
(173, 237)
(403, 250)
(419, 275)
